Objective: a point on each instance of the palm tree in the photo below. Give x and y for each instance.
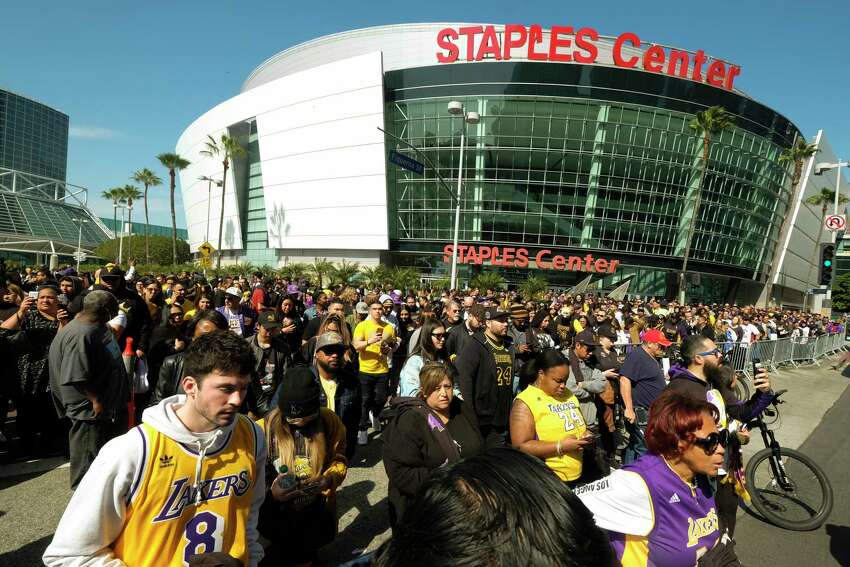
(797, 155)
(320, 268)
(374, 276)
(706, 125)
(130, 193)
(227, 149)
(825, 199)
(533, 288)
(294, 271)
(116, 195)
(149, 179)
(173, 163)
(345, 272)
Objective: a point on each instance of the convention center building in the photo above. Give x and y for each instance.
(574, 152)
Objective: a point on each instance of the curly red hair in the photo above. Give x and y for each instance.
(674, 417)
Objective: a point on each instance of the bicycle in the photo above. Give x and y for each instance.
(787, 487)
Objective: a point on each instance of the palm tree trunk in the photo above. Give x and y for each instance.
(130, 236)
(147, 241)
(693, 223)
(173, 218)
(221, 214)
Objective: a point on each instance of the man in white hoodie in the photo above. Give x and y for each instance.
(189, 480)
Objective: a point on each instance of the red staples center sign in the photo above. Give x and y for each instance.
(512, 257)
(564, 44)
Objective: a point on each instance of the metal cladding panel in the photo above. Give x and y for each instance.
(321, 156)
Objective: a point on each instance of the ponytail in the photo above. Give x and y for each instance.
(542, 361)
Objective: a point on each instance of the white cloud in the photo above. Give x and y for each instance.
(92, 133)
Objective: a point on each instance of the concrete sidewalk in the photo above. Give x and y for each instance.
(812, 390)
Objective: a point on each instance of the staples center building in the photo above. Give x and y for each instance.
(582, 160)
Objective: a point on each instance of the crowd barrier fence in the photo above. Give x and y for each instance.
(774, 354)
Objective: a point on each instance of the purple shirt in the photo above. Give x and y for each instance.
(654, 518)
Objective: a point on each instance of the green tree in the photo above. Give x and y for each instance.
(173, 163)
(148, 179)
(487, 280)
(441, 284)
(706, 125)
(130, 193)
(227, 149)
(320, 268)
(824, 199)
(294, 271)
(374, 276)
(841, 294)
(116, 195)
(344, 272)
(403, 279)
(160, 250)
(533, 288)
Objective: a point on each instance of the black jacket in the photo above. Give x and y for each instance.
(412, 450)
(682, 381)
(281, 357)
(476, 370)
(168, 383)
(456, 339)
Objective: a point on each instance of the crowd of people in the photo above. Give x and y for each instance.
(214, 420)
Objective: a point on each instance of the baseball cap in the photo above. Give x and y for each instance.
(269, 320)
(329, 339)
(362, 308)
(586, 338)
(112, 271)
(656, 336)
(496, 313)
(384, 298)
(234, 291)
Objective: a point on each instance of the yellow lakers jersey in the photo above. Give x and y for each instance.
(554, 419)
(166, 521)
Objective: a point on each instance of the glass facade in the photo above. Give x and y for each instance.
(33, 137)
(139, 227)
(579, 158)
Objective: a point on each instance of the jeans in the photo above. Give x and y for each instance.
(637, 441)
(374, 390)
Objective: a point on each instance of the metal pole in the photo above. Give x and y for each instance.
(457, 207)
(79, 245)
(121, 239)
(837, 189)
(209, 197)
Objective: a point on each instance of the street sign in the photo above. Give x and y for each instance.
(205, 262)
(818, 291)
(406, 162)
(835, 222)
(81, 256)
(206, 249)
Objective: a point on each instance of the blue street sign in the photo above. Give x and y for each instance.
(406, 162)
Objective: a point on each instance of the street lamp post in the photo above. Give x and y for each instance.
(825, 166)
(79, 241)
(457, 108)
(121, 238)
(209, 181)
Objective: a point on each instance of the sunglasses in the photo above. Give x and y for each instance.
(715, 352)
(438, 336)
(709, 444)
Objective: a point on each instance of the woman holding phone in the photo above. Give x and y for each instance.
(546, 419)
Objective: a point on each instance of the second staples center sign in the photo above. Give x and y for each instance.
(520, 257)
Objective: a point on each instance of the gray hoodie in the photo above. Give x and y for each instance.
(96, 513)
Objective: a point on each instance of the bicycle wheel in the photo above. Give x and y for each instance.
(742, 387)
(801, 503)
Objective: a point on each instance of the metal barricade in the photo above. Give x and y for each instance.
(782, 353)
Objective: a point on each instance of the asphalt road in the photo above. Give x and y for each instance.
(760, 543)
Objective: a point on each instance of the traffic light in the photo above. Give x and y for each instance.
(827, 259)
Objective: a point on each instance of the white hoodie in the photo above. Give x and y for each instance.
(95, 515)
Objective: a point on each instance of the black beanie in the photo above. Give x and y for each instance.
(299, 393)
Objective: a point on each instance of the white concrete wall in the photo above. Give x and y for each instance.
(322, 159)
(802, 256)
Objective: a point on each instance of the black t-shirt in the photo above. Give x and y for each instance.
(504, 382)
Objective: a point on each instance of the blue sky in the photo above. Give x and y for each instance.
(132, 76)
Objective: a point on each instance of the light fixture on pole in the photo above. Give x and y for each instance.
(456, 108)
(826, 166)
(79, 255)
(209, 181)
(121, 236)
